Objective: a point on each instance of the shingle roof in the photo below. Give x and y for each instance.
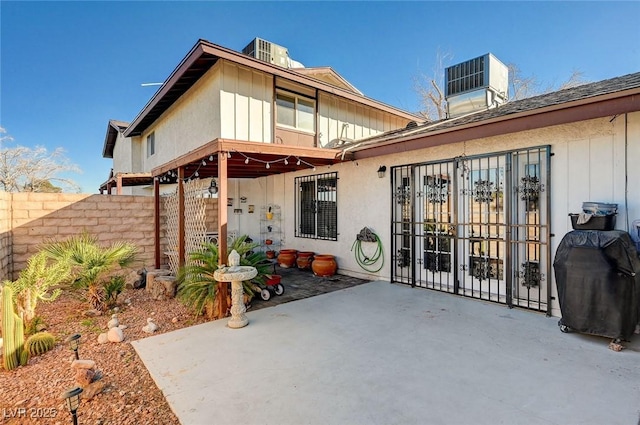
(566, 96)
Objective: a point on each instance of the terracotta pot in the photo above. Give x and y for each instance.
(324, 265)
(304, 259)
(271, 254)
(287, 258)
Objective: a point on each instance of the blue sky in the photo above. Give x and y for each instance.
(69, 67)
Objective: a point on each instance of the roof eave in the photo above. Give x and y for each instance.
(113, 128)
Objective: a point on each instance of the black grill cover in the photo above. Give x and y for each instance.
(598, 279)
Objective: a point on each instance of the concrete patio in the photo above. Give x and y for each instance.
(378, 353)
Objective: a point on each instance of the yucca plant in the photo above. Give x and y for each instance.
(90, 262)
(197, 287)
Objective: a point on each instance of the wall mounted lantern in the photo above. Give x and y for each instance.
(213, 187)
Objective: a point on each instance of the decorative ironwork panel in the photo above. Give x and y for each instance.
(530, 275)
(476, 226)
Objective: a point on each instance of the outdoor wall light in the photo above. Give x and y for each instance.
(73, 401)
(74, 342)
(381, 170)
(213, 187)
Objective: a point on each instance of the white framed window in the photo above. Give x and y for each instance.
(295, 111)
(151, 144)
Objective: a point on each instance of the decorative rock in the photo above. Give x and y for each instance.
(123, 327)
(83, 364)
(174, 320)
(151, 278)
(115, 335)
(162, 287)
(150, 327)
(84, 377)
(113, 323)
(93, 389)
(116, 309)
(102, 338)
(93, 313)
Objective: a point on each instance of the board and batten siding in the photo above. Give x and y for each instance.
(362, 121)
(246, 97)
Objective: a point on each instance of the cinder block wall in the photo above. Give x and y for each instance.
(37, 217)
(5, 236)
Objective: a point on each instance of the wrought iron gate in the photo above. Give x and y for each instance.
(475, 226)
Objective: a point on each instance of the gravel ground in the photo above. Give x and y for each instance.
(31, 394)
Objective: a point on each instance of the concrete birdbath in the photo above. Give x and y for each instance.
(236, 274)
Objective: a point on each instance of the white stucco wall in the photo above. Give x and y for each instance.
(592, 161)
(190, 122)
(123, 155)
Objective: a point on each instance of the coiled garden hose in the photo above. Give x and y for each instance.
(365, 262)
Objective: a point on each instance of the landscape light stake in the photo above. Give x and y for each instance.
(74, 342)
(73, 401)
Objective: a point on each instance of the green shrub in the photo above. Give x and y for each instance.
(112, 288)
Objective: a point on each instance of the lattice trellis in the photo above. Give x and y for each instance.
(194, 221)
(195, 227)
(171, 209)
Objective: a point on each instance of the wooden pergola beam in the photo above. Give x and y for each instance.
(225, 145)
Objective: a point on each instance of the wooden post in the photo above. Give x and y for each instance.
(156, 221)
(119, 184)
(223, 192)
(181, 217)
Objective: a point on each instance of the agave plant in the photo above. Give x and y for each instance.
(197, 287)
(90, 263)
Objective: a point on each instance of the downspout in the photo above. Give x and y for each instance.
(626, 172)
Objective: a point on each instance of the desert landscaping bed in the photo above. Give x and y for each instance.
(31, 394)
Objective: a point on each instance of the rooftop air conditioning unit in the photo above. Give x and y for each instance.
(475, 85)
(268, 52)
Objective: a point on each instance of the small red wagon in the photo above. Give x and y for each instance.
(272, 286)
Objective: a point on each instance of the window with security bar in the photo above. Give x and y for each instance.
(317, 206)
